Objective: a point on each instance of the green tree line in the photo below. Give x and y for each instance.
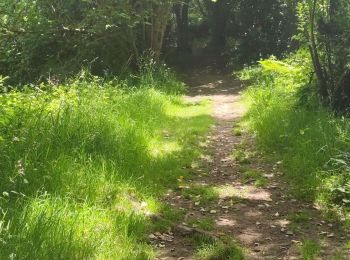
(41, 40)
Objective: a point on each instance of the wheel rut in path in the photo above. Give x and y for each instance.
(263, 218)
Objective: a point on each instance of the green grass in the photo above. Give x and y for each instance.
(237, 131)
(241, 156)
(204, 195)
(310, 250)
(83, 167)
(292, 127)
(207, 224)
(169, 216)
(209, 250)
(299, 217)
(299, 221)
(254, 175)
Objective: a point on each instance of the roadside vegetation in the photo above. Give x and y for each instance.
(83, 165)
(299, 106)
(310, 141)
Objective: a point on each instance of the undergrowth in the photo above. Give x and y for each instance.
(310, 142)
(83, 165)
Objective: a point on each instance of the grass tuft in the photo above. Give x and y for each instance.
(220, 251)
(253, 175)
(204, 195)
(310, 250)
(207, 224)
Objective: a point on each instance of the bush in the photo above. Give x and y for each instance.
(45, 38)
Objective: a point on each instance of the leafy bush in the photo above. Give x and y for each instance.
(155, 73)
(45, 38)
(257, 29)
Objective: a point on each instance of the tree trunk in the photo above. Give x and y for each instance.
(323, 90)
(159, 20)
(341, 95)
(218, 20)
(181, 12)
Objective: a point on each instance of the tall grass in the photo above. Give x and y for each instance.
(292, 127)
(83, 166)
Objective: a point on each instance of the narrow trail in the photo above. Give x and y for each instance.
(265, 220)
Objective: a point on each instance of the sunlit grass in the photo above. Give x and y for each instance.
(207, 224)
(310, 250)
(202, 194)
(291, 126)
(83, 168)
(208, 249)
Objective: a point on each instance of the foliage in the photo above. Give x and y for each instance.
(324, 29)
(310, 250)
(257, 29)
(53, 39)
(219, 251)
(82, 165)
(43, 40)
(307, 138)
(154, 73)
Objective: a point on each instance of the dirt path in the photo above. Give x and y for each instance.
(235, 195)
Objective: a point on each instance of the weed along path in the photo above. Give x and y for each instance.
(235, 205)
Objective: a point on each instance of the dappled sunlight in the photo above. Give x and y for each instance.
(211, 84)
(282, 222)
(119, 153)
(187, 109)
(225, 221)
(159, 149)
(107, 153)
(250, 235)
(248, 192)
(252, 213)
(129, 203)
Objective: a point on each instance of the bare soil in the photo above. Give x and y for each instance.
(260, 219)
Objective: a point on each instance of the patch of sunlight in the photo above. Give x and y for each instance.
(129, 203)
(248, 192)
(225, 222)
(282, 222)
(189, 109)
(159, 149)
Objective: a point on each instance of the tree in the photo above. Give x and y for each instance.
(160, 12)
(324, 27)
(258, 29)
(218, 12)
(181, 10)
(58, 37)
(314, 51)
